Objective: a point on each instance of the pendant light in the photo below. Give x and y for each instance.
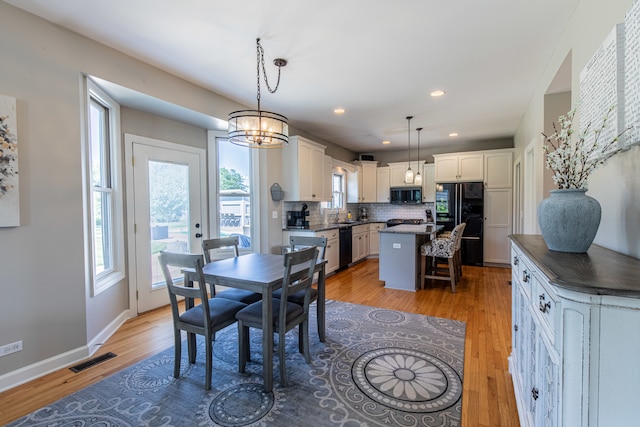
(418, 179)
(257, 128)
(408, 176)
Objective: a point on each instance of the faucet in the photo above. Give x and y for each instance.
(337, 218)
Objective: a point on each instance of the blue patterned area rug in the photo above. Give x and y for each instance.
(377, 368)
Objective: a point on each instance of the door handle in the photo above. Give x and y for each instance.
(198, 235)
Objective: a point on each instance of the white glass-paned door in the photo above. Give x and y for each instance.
(167, 215)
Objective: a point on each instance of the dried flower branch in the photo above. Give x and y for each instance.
(573, 163)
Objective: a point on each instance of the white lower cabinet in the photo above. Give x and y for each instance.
(333, 249)
(374, 237)
(333, 245)
(574, 354)
(359, 242)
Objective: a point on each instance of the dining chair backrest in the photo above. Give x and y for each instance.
(296, 280)
(222, 242)
(458, 235)
(182, 260)
(307, 241)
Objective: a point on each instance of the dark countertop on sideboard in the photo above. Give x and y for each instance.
(600, 271)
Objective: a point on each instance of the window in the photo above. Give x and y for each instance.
(105, 242)
(337, 201)
(235, 203)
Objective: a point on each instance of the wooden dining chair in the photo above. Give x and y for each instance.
(240, 295)
(295, 243)
(289, 314)
(205, 319)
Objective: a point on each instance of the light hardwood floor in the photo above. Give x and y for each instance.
(482, 300)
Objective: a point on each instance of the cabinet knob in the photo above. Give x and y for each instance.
(525, 276)
(515, 328)
(516, 261)
(534, 393)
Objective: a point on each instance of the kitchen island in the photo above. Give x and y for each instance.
(400, 254)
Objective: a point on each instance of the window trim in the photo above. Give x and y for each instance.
(98, 283)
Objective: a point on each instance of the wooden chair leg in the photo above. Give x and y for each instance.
(191, 344)
(423, 266)
(243, 346)
(281, 357)
(177, 354)
(209, 363)
(304, 326)
(452, 274)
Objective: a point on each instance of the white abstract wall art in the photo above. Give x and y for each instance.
(9, 191)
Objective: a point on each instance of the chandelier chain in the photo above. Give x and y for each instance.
(260, 62)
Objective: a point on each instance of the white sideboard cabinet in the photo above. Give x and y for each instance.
(575, 336)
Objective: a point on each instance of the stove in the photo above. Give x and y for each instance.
(398, 221)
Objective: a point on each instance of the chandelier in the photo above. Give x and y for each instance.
(408, 176)
(258, 128)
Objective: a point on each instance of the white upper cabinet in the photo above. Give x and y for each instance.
(498, 167)
(382, 185)
(303, 170)
(362, 188)
(398, 170)
(327, 178)
(460, 167)
(428, 182)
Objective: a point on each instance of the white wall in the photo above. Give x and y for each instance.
(616, 184)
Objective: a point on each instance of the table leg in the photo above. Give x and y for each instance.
(321, 304)
(267, 340)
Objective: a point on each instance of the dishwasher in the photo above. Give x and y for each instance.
(345, 247)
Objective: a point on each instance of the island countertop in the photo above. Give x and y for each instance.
(422, 229)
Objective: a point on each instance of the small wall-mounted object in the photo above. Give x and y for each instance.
(277, 193)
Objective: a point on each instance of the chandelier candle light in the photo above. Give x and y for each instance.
(257, 128)
(408, 176)
(418, 180)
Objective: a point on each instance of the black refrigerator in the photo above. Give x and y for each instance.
(463, 202)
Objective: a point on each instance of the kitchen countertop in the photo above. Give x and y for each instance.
(424, 229)
(332, 226)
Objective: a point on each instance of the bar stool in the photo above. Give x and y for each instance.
(442, 248)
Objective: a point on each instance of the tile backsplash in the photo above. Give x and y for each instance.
(378, 212)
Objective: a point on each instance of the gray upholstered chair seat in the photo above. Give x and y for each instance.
(220, 311)
(298, 297)
(253, 313)
(240, 295)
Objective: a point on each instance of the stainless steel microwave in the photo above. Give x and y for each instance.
(406, 195)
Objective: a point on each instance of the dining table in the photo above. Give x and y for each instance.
(263, 274)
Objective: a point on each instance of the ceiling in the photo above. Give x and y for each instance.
(377, 59)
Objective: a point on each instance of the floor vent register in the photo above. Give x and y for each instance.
(92, 362)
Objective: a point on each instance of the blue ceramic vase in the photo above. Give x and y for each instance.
(569, 220)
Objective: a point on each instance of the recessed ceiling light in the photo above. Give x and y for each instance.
(339, 111)
(437, 93)
(387, 142)
(452, 134)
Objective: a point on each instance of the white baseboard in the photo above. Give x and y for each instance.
(36, 370)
